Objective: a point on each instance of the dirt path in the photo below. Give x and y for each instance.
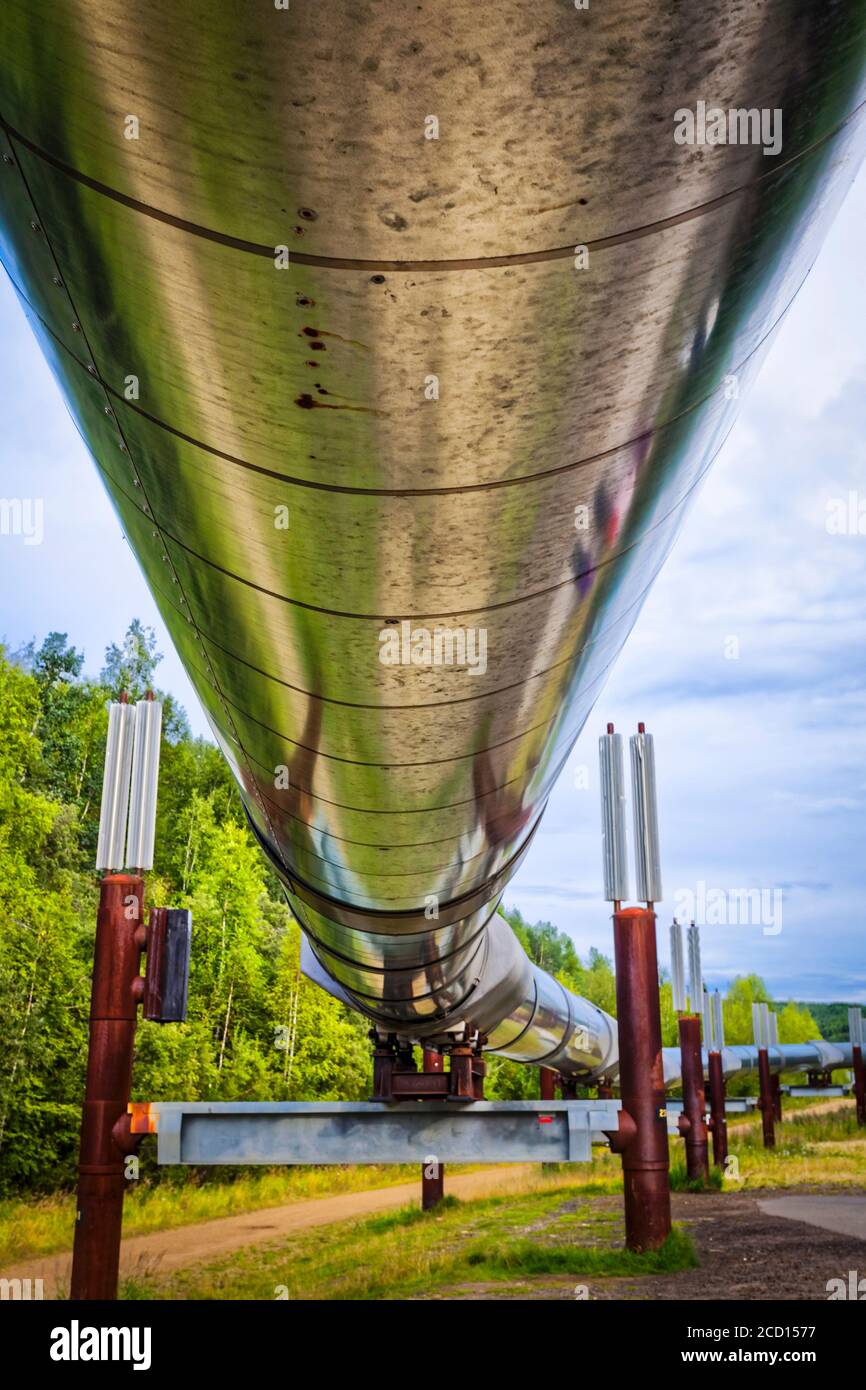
(823, 1107)
(185, 1245)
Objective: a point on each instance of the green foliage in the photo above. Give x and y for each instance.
(795, 1023)
(555, 952)
(256, 1029)
(130, 667)
(832, 1019)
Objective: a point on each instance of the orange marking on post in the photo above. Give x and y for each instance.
(144, 1119)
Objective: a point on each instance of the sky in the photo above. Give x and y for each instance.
(748, 663)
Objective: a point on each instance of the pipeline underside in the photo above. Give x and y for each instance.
(393, 321)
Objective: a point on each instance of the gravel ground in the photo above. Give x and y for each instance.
(745, 1254)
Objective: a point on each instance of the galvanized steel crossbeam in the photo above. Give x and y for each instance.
(736, 1105)
(272, 1132)
(824, 1092)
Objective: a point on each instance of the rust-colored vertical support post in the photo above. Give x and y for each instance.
(383, 1067)
(719, 1123)
(432, 1171)
(859, 1082)
(776, 1088)
(693, 1121)
(115, 995)
(765, 1102)
(604, 1090)
(547, 1083)
(642, 1139)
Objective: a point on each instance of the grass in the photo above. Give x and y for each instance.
(407, 1254)
(503, 1260)
(681, 1182)
(30, 1227)
(826, 1149)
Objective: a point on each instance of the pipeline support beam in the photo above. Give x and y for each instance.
(718, 1119)
(546, 1083)
(115, 995)
(432, 1169)
(859, 1082)
(693, 1124)
(766, 1103)
(642, 1140)
(776, 1087)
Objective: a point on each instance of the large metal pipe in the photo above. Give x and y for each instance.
(784, 1057)
(401, 346)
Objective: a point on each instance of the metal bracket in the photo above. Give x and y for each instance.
(396, 1077)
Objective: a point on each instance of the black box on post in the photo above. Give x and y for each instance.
(166, 980)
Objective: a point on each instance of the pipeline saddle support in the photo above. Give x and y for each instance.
(397, 1077)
